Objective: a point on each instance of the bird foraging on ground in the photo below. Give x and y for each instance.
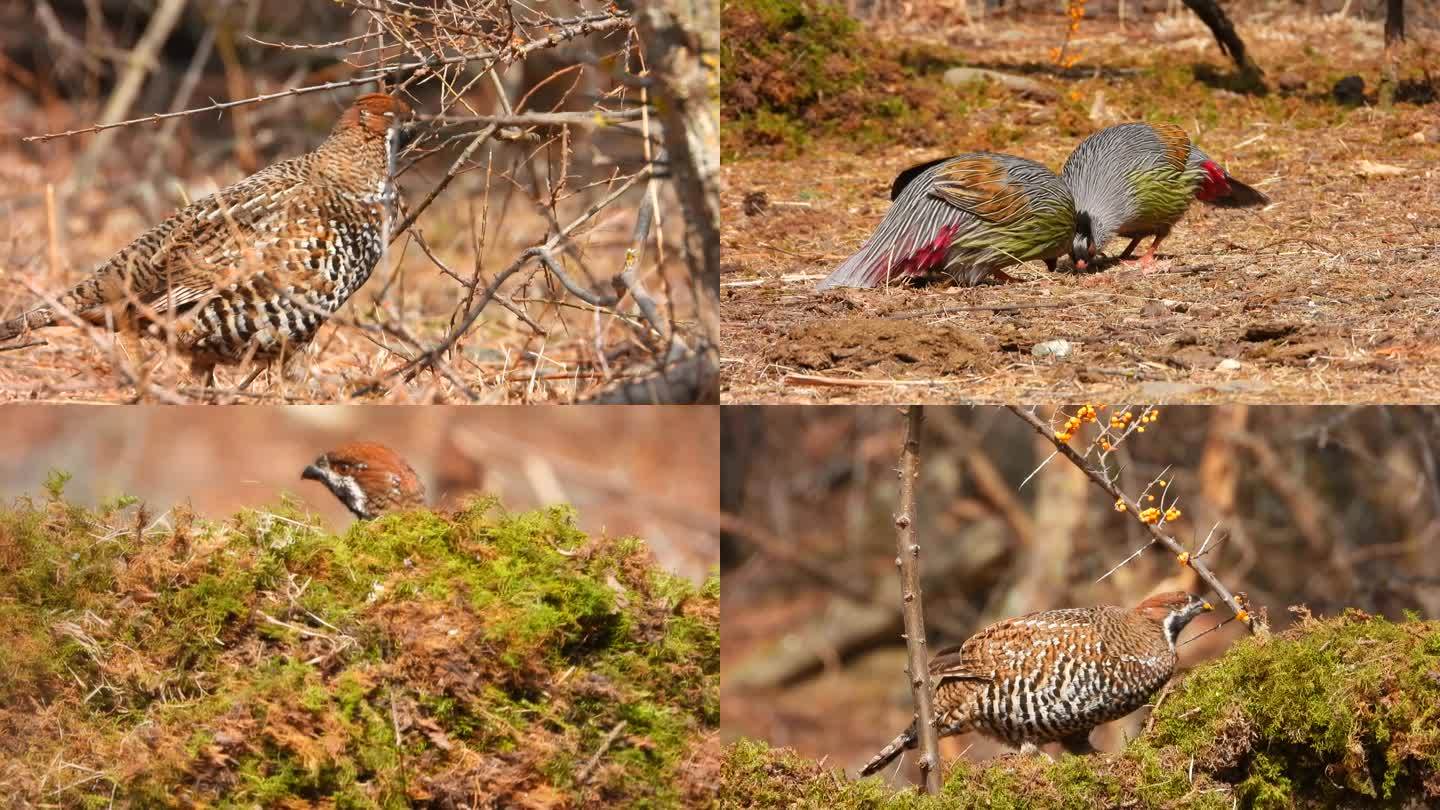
(965, 219)
(1137, 180)
(251, 271)
(369, 478)
(1054, 675)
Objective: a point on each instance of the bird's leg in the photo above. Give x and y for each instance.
(1130, 248)
(1078, 743)
(259, 367)
(204, 369)
(1003, 277)
(1050, 264)
(1147, 262)
(1028, 748)
(129, 343)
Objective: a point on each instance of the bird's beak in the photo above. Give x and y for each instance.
(312, 473)
(1080, 264)
(1207, 606)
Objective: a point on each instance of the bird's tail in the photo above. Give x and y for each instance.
(905, 740)
(1220, 188)
(34, 319)
(1238, 195)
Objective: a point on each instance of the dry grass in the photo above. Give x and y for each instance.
(1325, 296)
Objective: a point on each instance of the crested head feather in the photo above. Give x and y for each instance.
(375, 114)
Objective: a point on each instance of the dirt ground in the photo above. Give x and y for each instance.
(1326, 295)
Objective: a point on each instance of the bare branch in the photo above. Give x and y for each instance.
(1103, 481)
(907, 559)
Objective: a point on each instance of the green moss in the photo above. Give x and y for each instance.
(1344, 712)
(266, 661)
(792, 70)
(1346, 708)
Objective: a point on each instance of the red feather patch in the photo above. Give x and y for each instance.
(925, 259)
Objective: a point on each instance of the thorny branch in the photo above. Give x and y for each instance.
(580, 27)
(907, 560)
(1156, 534)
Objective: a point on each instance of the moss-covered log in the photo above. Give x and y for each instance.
(1343, 712)
(477, 659)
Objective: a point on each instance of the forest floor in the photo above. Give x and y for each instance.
(1322, 296)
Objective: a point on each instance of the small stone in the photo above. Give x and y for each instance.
(1228, 364)
(1290, 82)
(1053, 348)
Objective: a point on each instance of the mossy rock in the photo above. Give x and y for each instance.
(1343, 712)
(478, 658)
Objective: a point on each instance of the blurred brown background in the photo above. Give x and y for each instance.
(647, 471)
(1326, 507)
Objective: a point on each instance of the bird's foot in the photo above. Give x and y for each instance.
(1148, 263)
(1032, 750)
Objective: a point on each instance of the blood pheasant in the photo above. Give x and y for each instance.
(369, 478)
(1054, 675)
(964, 218)
(1137, 180)
(251, 271)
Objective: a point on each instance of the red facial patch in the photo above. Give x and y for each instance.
(1215, 185)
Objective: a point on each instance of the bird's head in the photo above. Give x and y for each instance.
(1082, 243)
(379, 124)
(1173, 610)
(369, 478)
(375, 115)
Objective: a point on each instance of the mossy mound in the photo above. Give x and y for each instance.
(794, 69)
(479, 658)
(1335, 713)
(1339, 711)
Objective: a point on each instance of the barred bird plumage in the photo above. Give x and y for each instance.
(1054, 675)
(369, 478)
(963, 218)
(1138, 180)
(251, 271)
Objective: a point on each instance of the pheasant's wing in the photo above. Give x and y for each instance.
(206, 246)
(1175, 145)
(982, 186)
(936, 204)
(958, 664)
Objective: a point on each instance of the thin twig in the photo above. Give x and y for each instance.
(605, 22)
(1201, 569)
(584, 775)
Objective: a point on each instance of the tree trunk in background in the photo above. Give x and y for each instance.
(1062, 503)
(682, 51)
(1214, 17)
(1394, 35)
